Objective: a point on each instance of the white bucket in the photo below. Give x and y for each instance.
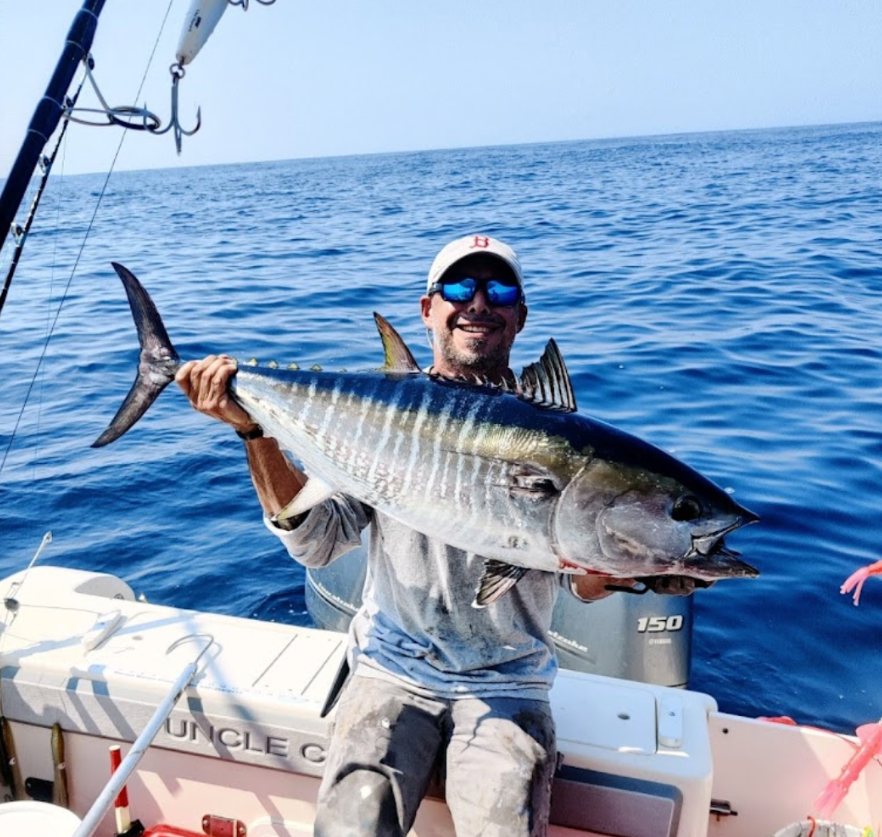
(822, 828)
(36, 819)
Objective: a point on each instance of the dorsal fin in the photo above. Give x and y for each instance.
(547, 384)
(398, 356)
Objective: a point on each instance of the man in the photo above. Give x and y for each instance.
(432, 675)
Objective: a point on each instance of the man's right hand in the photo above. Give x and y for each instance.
(205, 383)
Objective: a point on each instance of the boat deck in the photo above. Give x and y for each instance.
(246, 742)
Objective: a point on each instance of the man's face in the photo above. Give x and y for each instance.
(474, 337)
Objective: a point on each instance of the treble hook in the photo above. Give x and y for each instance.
(177, 73)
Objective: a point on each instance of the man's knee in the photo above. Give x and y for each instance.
(358, 804)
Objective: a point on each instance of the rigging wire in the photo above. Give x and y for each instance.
(82, 247)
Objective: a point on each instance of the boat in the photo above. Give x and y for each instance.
(123, 716)
(86, 663)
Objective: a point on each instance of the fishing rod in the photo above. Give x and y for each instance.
(48, 112)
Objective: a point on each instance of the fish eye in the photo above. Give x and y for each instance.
(686, 508)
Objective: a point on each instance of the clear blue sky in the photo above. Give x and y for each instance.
(306, 78)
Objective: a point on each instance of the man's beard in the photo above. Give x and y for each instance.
(475, 359)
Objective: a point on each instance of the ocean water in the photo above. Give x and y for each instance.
(718, 294)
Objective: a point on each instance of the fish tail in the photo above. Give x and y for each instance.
(156, 366)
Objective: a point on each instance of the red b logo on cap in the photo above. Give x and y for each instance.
(481, 241)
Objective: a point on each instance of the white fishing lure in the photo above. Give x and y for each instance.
(202, 17)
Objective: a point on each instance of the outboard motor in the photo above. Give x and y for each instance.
(647, 638)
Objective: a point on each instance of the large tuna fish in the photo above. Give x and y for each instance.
(514, 475)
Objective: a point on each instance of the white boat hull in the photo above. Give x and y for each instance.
(245, 743)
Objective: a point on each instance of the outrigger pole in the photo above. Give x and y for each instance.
(48, 112)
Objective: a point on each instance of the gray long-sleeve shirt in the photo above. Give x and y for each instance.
(417, 623)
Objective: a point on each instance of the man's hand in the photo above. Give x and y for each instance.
(205, 382)
(675, 585)
(275, 478)
(592, 588)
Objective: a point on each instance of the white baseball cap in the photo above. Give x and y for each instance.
(471, 245)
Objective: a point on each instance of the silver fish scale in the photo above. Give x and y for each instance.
(411, 445)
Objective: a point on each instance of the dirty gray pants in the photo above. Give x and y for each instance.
(500, 757)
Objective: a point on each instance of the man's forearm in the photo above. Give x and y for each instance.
(276, 480)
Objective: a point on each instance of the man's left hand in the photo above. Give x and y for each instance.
(675, 585)
(592, 588)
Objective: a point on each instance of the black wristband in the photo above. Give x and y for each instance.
(248, 435)
(290, 523)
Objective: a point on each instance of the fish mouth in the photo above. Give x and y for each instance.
(710, 558)
(707, 544)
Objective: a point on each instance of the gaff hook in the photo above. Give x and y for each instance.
(177, 73)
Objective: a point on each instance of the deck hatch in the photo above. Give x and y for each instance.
(615, 805)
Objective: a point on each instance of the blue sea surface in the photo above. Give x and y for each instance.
(717, 294)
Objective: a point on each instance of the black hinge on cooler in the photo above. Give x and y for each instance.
(722, 808)
(215, 826)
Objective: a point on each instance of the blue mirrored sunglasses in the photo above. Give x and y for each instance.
(464, 290)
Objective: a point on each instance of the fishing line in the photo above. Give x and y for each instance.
(53, 262)
(82, 247)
